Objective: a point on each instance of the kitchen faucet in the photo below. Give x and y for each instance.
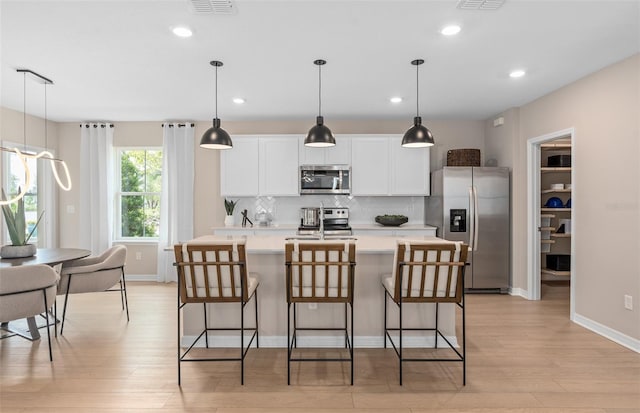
(321, 220)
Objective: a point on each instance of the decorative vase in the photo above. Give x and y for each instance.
(18, 251)
(229, 221)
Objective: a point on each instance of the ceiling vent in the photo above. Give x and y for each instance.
(480, 4)
(212, 6)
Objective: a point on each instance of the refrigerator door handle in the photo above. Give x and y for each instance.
(472, 218)
(476, 219)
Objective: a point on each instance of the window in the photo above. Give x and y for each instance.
(138, 184)
(13, 179)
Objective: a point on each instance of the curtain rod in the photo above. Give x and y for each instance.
(103, 125)
(180, 125)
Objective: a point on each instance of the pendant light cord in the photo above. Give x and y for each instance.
(417, 91)
(24, 111)
(319, 90)
(216, 92)
(46, 143)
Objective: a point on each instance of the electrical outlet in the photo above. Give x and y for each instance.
(313, 306)
(628, 302)
(138, 256)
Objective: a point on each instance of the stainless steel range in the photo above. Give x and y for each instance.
(330, 221)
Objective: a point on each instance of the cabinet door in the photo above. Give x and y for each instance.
(239, 170)
(339, 154)
(370, 165)
(409, 169)
(309, 155)
(278, 166)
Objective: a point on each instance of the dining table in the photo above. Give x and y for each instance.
(47, 256)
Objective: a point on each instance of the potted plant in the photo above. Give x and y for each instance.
(17, 226)
(229, 206)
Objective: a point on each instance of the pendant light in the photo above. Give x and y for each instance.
(216, 137)
(46, 155)
(418, 136)
(319, 136)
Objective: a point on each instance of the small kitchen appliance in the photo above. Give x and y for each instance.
(335, 221)
(325, 179)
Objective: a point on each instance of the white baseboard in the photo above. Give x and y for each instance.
(141, 277)
(519, 292)
(320, 341)
(607, 332)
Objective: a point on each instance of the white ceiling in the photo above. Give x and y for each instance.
(119, 61)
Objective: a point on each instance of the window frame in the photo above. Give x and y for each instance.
(117, 198)
(39, 237)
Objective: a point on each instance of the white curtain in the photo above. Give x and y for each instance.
(176, 201)
(96, 186)
(48, 188)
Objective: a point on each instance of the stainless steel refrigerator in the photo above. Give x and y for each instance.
(471, 204)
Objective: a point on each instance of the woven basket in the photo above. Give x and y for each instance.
(463, 157)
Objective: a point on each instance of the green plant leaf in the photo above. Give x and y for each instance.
(34, 228)
(16, 222)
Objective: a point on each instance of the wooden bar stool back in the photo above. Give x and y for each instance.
(319, 272)
(426, 272)
(214, 273)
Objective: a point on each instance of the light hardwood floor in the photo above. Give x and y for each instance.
(523, 356)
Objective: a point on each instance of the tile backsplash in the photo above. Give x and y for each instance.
(362, 209)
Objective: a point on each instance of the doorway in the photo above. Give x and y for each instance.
(551, 217)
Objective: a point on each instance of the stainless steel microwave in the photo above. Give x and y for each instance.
(325, 179)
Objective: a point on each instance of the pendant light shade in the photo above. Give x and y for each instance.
(216, 137)
(418, 136)
(319, 136)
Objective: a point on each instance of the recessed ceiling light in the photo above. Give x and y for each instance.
(238, 101)
(182, 31)
(517, 73)
(395, 99)
(451, 30)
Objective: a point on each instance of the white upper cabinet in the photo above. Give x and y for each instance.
(239, 168)
(370, 165)
(381, 166)
(279, 166)
(260, 165)
(409, 169)
(340, 154)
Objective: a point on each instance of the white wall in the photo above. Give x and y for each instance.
(604, 109)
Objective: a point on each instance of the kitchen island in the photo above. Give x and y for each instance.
(374, 257)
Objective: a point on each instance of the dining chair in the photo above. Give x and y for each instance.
(94, 274)
(214, 273)
(27, 291)
(320, 272)
(426, 272)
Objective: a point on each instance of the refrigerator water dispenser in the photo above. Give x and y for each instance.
(458, 220)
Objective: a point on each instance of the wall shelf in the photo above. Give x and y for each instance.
(561, 235)
(555, 209)
(556, 273)
(555, 146)
(551, 191)
(547, 241)
(555, 169)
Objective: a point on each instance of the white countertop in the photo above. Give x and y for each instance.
(294, 227)
(275, 244)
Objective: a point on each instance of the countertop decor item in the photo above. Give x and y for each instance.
(418, 136)
(17, 226)
(391, 220)
(319, 136)
(216, 137)
(229, 206)
(463, 157)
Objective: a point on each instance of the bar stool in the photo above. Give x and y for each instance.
(426, 272)
(215, 273)
(319, 272)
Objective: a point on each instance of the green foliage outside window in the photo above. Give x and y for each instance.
(141, 182)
